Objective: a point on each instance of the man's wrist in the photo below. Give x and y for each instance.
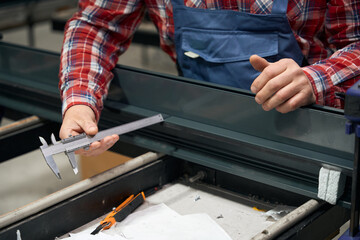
(93, 108)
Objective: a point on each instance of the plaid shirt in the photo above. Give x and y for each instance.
(328, 32)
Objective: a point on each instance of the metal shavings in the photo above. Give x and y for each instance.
(220, 216)
(18, 235)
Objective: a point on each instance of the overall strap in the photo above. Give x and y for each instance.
(177, 2)
(279, 7)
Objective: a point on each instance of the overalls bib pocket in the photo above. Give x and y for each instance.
(225, 54)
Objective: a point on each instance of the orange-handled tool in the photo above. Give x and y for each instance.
(121, 212)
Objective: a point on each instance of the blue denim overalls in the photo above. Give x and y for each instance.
(215, 45)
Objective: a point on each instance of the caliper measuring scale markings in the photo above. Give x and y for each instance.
(73, 143)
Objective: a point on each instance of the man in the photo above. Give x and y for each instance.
(289, 53)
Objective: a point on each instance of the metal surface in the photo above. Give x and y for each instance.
(21, 138)
(215, 126)
(234, 109)
(86, 206)
(76, 210)
(236, 217)
(319, 225)
(28, 80)
(355, 194)
(352, 113)
(287, 221)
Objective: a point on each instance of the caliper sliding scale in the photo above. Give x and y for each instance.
(73, 143)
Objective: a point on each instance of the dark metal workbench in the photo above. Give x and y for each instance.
(218, 129)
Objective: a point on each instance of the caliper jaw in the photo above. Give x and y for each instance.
(49, 159)
(70, 153)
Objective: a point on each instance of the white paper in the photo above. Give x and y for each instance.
(85, 235)
(159, 223)
(162, 223)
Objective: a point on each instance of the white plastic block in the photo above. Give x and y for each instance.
(331, 185)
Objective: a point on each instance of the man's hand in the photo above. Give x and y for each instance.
(79, 119)
(281, 85)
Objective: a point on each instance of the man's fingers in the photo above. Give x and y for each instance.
(295, 102)
(271, 71)
(78, 119)
(282, 85)
(302, 98)
(97, 148)
(280, 97)
(93, 146)
(274, 88)
(69, 127)
(258, 63)
(289, 98)
(75, 127)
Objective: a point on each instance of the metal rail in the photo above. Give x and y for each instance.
(15, 126)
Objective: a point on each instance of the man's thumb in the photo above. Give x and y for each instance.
(90, 128)
(258, 63)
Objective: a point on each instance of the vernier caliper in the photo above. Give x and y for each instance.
(73, 143)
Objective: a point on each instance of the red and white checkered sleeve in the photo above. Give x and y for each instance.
(94, 38)
(336, 74)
